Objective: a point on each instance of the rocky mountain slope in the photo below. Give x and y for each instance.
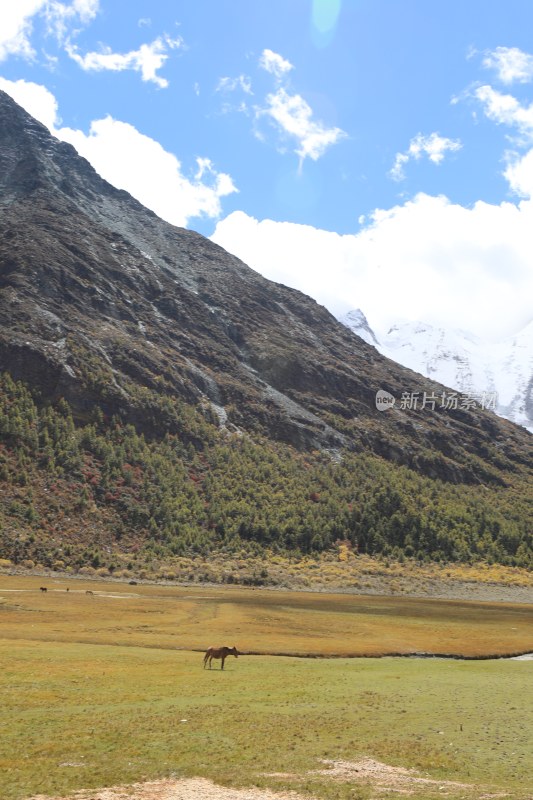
(101, 299)
(159, 399)
(501, 372)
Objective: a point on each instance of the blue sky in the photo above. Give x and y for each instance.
(372, 153)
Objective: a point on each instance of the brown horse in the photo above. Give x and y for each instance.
(219, 652)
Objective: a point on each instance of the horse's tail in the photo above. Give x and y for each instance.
(207, 654)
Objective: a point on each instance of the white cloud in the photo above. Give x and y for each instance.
(16, 27)
(157, 180)
(293, 118)
(505, 109)
(510, 64)
(428, 259)
(289, 114)
(242, 82)
(434, 147)
(36, 99)
(112, 147)
(85, 9)
(519, 174)
(147, 60)
(59, 15)
(16, 22)
(274, 63)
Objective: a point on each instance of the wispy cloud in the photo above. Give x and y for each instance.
(274, 63)
(286, 112)
(505, 109)
(243, 82)
(510, 64)
(16, 28)
(292, 116)
(59, 16)
(62, 21)
(17, 18)
(147, 60)
(433, 147)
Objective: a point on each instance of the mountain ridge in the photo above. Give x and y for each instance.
(101, 279)
(190, 402)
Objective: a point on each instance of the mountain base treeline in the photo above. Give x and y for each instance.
(98, 493)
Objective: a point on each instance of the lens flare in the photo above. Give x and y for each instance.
(324, 17)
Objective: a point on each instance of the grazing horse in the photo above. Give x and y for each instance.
(219, 652)
(43, 589)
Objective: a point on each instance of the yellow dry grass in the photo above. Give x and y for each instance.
(258, 621)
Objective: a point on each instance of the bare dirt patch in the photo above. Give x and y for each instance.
(383, 775)
(399, 780)
(170, 789)
(383, 778)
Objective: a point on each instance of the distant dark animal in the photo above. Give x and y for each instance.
(44, 589)
(89, 592)
(219, 652)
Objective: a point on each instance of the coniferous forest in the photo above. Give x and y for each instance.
(98, 492)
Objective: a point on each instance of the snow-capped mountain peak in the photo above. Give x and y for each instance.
(358, 323)
(462, 361)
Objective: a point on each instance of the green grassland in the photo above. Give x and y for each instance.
(96, 690)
